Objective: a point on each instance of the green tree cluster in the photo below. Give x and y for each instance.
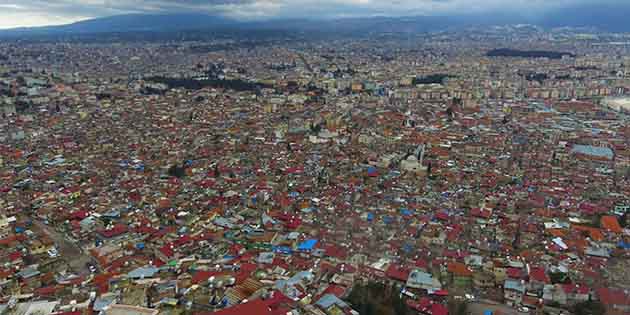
(376, 298)
(589, 307)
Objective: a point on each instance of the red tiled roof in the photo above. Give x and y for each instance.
(145, 229)
(335, 251)
(277, 298)
(46, 291)
(13, 238)
(167, 250)
(613, 296)
(594, 233)
(397, 272)
(346, 268)
(335, 290)
(118, 229)
(514, 273)
(539, 274)
(161, 232)
(203, 275)
(438, 309)
(421, 263)
(79, 215)
(279, 262)
(15, 256)
(420, 306)
(442, 216)
(575, 288)
(184, 239)
(441, 292)
(611, 224)
(477, 212)
(459, 269)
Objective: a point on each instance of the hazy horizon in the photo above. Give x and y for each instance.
(32, 13)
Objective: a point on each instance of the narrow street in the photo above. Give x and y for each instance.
(68, 251)
(306, 64)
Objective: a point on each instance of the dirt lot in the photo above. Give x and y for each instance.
(68, 251)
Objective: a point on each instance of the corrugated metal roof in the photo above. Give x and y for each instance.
(592, 150)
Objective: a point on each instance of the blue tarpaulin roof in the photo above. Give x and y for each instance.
(372, 171)
(407, 248)
(623, 245)
(307, 245)
(370, 216)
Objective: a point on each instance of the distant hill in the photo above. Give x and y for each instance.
(603, 17)
(606, 17)
(131, 23)
(145, 22)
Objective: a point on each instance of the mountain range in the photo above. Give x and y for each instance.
(600, 17)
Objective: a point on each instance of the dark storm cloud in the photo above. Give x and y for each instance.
(33, 12)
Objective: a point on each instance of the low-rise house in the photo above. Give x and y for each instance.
(331, 304)
(422, 280)
(107, 254)
(616, 301)
(538, 278)
(483, 279)
(460, 274)
(119, 309)
(553, 294)
(143, 272)
(576, 293)
(500, 274)
(513, 291)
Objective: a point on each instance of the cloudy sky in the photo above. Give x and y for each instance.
(18, 13)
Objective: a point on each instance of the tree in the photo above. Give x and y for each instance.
(377, 298)
(449, 113)
(623, 220)
(431, 79)
(589, 307)
(559, 277)
(400, 308)
(457, 307)
(176, 171)
(316, 128)
(594, 193)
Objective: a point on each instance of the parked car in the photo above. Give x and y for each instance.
(53, 253)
